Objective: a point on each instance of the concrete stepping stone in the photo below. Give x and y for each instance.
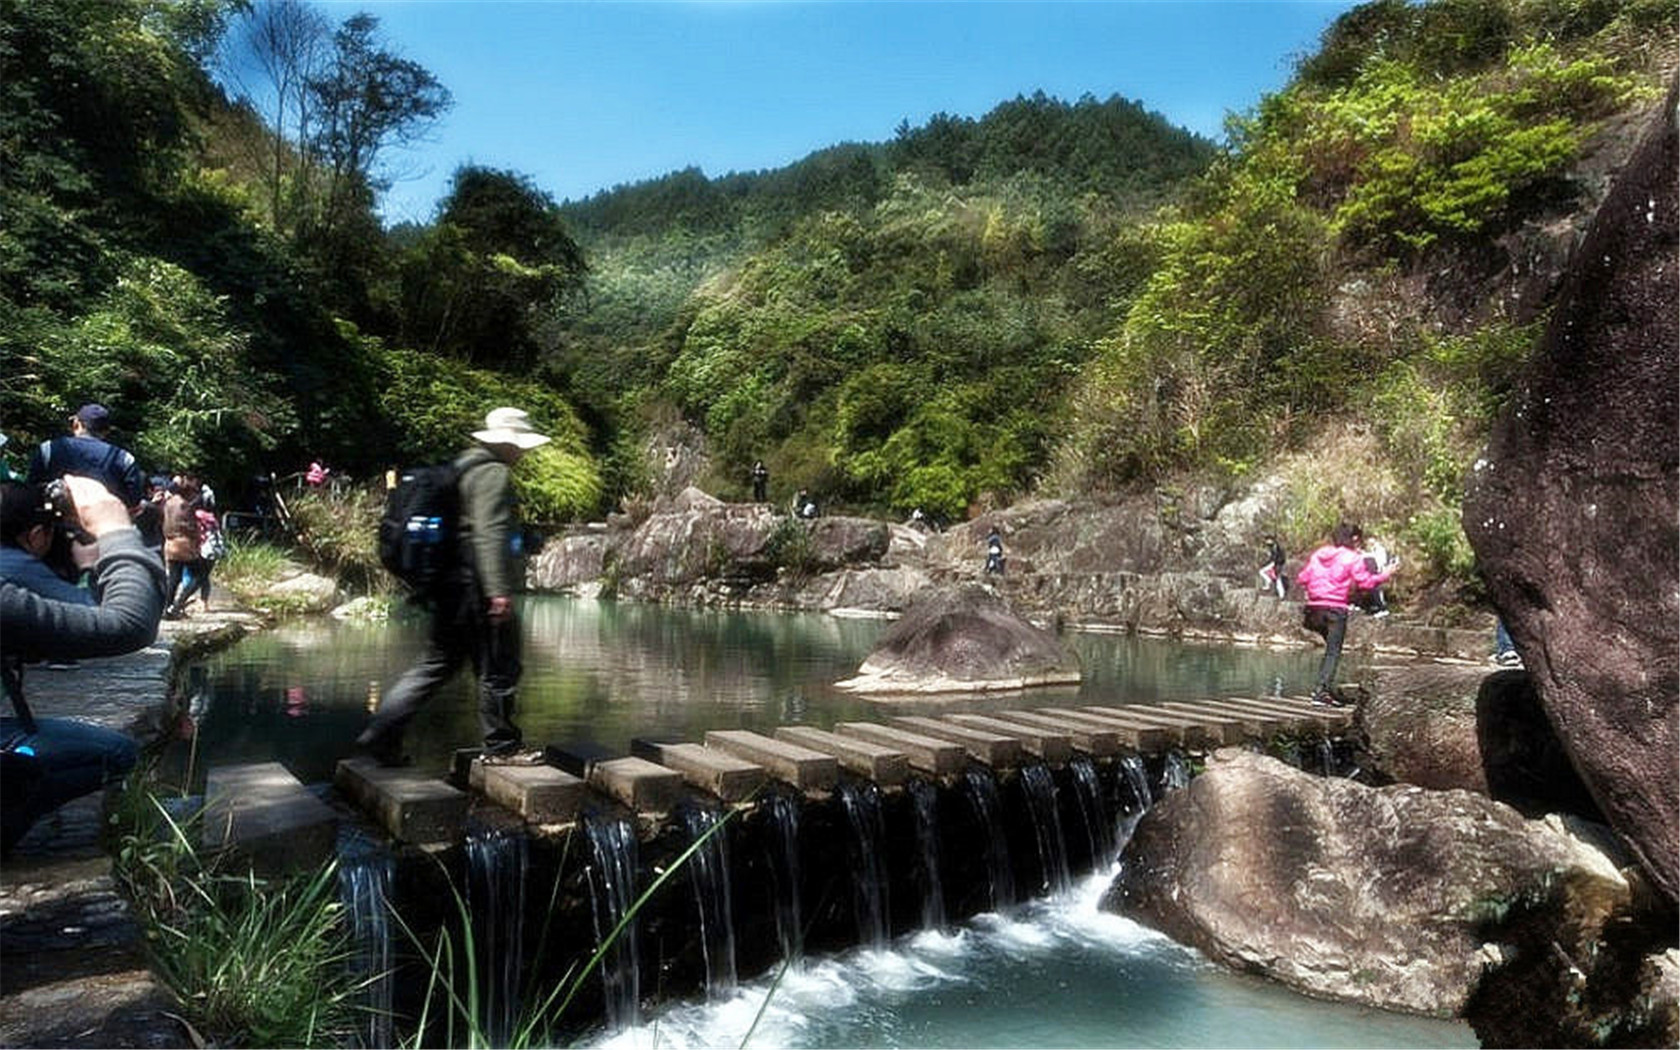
(1049, 745)
(1184, 731)
(805, 769)
(1329, 717)
(642, 785)
(1220, 729)
(882, 764)
(1289, 721)
(537, 792)
(410, 806)
(1098, 742)
(993, 749)
(926, 753)
(717, 773)
(261, 813)
(1135, 735)
(1255, 725)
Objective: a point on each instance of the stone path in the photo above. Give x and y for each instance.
(73, 967)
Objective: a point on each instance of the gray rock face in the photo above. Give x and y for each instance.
(962, 639)
(1572, 512)
(1372, 895)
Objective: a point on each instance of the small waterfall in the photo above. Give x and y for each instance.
(1099, 829)
(1040, 790)
(924, 798)
(364, 885)
(981, 788)
(1175, 771)
(1327, 757)
(497, 861)
(708, 870)
(1136, 779)
(862, 806)
(783, 813)
(612, 891)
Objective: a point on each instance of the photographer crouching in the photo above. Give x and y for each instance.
(46, 762)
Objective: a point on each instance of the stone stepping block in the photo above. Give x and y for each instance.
(642, 785)
(1186, 731)
(1255, 725)
(263, 814)
(1220, 729)
(926, 753)
(790, 763)
(1088, 739)
(536, 791)
(1327, 717)
(1135, 735)
(997, 750)
(1049, 745)
(1291, 721)
(884, 765)
(410, 806)
(729, 778)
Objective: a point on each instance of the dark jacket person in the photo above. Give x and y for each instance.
(473, 615)
(49, 761)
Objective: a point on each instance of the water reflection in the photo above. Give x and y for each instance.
(608, 672)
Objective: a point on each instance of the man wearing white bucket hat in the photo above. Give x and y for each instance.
(473, 615)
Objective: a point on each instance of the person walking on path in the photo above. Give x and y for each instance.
(472, 615)
(994, 552)
(1272, 571)
(87, 450)
(1329, 578)
(180, 537)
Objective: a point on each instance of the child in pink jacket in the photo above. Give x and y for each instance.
(1329, 577)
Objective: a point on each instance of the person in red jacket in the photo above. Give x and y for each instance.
(1329, 577)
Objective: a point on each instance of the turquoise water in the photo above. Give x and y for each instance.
(1054, 972)
(607, 672)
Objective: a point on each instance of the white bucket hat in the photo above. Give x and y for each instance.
(509, 426)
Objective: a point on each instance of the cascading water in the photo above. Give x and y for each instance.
(1136, 779)
(783, 814)
(1099, 829)
(612, 891)
(1039, 787)
(497, 863)
(708, 870)
(1175, 772)
(364, 885)
(1327, 757)
(861, 803)
(981, 788)
(924, 798)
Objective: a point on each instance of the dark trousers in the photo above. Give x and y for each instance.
(187, 578)
(459, 632)
(1332, 625)
(62, 759)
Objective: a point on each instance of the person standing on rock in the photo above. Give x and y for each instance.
(1272, 571)
(994, 552)
(1329, 577)
(761, 481)
(472, 617)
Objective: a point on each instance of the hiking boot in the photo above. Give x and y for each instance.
(1508, 659)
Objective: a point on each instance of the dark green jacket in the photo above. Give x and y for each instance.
(488, 520)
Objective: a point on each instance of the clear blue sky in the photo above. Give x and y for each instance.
(582, 96)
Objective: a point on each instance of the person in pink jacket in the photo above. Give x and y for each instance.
(1329, 577)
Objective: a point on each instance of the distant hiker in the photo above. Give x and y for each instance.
(1504, 650)
(803, 505)
(472, 611)
(88, 451)
(1376, 559)
(1272, 571)
(994, 552)
(317, 473)
(180, 537)
(760, 481)
(1329, 577)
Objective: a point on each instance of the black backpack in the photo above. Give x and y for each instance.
(419, 533)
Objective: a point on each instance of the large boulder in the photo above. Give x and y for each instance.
(1572, 511)
(1379, 896)
(1452, 726)
(963, 639)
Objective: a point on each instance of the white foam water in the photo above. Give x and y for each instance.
(1051, 972)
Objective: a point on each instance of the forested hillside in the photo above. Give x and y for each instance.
(1056, 298)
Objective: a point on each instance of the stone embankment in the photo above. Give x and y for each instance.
(1091, 567)
(73, 963)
